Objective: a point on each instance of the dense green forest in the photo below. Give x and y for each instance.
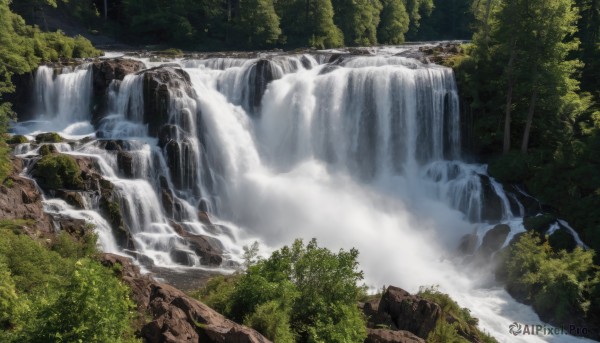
(255, 24)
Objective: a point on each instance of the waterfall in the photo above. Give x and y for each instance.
(358, 151)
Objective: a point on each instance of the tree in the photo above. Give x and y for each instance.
(309, 22)
(416, 10)
(358, 20)
(258, 23)
(394, 22)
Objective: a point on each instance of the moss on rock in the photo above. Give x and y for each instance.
(56, 171)
(17, 139)
(48, 137)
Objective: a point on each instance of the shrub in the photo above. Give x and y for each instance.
(94, 307)
(58, 171)
(283, 296)
(559, 285)
(17, 139)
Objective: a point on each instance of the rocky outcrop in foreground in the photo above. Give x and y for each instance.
(176, 317)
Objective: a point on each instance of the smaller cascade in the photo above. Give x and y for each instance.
(55, 100)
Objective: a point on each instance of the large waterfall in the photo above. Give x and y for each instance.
(356, 151)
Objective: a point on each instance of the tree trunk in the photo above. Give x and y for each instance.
(509, 94)
(532, 101)
(105, 10)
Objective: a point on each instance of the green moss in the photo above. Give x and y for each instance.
(539, 223)
(58, 171)
(171, 52)
(48, 137)
(47, 149)
(17, 139)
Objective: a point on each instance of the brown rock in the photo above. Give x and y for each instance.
(22, 200)
(177, 317)
(209, 249)
(390, 336)
(410, 312)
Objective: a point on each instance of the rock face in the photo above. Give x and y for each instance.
(175, 317)
(493, 240)
(20, 199)
(103, 73)
(409, 312)
(492, 209)
(159, 83)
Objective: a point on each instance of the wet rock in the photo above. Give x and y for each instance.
(72, 198)
(540, 223)
(468, 244)
(74, 227)
(410, 312)
(494, 239)
(176, 317)
(263, 73)
(168, 202)
(125, 163)
(160, 86)
(103, 73)
(492, 209)
(391, 336)
(204, 218)
(209, 249)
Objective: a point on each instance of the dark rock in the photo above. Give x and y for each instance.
(209, 249)
(103, 73)
(494, 239)
(390, 336)
(468, 244)
(74, 227)
(204, 218)
(112, 145)
(562, 239)
(540, 223)
(168, 202)
(492, 209)
(176, 317)
(71, 197)
(125, 163)
(160, 85)
(181, 257)
(262, 74)
(410, 312)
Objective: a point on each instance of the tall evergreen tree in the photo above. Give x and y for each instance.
(394, 22)
(258, 23)
(358, 20)
(309, 22)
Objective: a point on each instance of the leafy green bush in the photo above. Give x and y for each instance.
(52, 296)
(58, 171)
(558, 284)
(283, 296)
(94, 307)
(17, 139)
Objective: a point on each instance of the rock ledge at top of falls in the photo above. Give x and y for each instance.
(160, 85)
(177, 317)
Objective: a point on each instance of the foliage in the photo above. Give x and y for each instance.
(463, 323)
(282, 296)
(358, 20)
(17, 139)
(393, 23)
(56, 293)
(58, 171)
(559, 285)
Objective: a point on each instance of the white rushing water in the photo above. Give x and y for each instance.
(363, 152)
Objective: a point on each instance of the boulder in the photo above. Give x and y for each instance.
(21, 199)
(161, 84)
(468, 244)
(410, 312)
(492, 209)
(209, 249)
(103, 73)
(125, 163)
(176, 317)
(72, 198)
(391, 336)
(494, 239)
